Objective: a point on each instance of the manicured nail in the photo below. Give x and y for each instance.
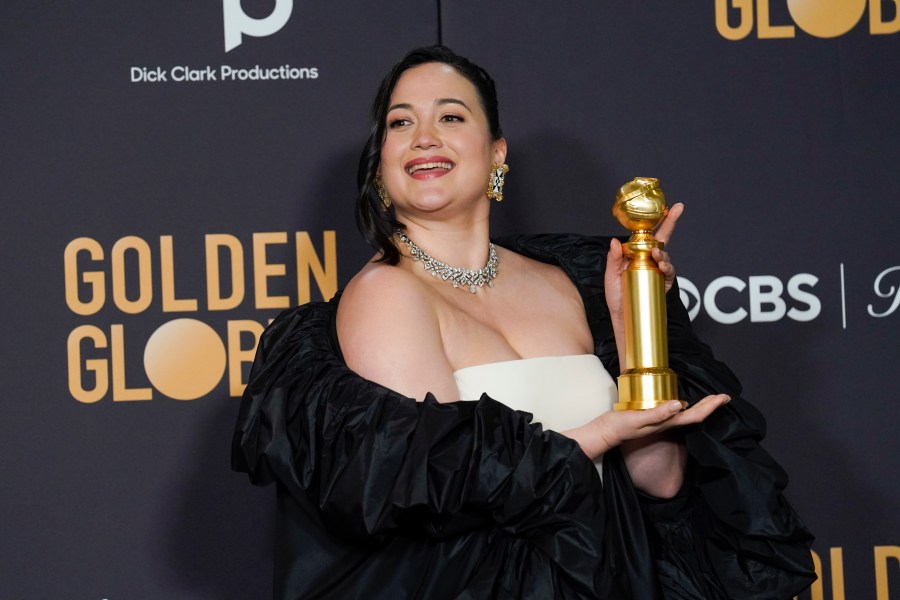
(675, 406)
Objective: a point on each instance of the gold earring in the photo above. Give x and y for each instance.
(496, 181)
(382, 193)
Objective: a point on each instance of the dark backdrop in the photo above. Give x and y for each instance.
(124, 201)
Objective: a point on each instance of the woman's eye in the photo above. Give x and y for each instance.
(394, 123)
(452, 118)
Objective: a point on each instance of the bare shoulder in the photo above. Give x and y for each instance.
(547, 280)
(390, 333)
(381, 302)
(380, 294)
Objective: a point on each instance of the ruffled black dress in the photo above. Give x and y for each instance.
(380, 496)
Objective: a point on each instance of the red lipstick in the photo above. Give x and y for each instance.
(428, 167)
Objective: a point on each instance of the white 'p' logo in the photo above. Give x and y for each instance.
(237, 22)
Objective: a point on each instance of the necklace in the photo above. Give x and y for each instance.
(473, 278)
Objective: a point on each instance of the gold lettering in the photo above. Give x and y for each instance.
(262, 270)
(882, 554)
(97, 365)
(167, 272)
(877, 24)
(120, 390)
(237, 356)
(764, 30)
(745, 25)
(94, 279)
(145, 281)
(837, 573)
(307, 259)
(215, 301)
(816, 590)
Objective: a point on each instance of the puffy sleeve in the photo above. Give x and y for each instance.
(730, 533)
(750, 543)
(374, 462)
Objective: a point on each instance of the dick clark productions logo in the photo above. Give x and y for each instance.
(238, 23)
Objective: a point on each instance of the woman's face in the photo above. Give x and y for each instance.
(437, 149)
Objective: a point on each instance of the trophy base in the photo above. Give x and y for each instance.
(640, 389)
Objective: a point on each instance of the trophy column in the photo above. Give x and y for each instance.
(646, 380)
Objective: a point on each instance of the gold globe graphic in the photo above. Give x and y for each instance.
(185, 359)
(826, 18)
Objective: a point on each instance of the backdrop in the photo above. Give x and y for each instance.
(175, 174)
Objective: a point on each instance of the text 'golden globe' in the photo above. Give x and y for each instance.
(736, 19)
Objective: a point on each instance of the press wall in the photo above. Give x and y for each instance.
(170, 184)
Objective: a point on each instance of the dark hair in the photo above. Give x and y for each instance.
(377, 224)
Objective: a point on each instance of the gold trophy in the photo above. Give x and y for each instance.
(646, 380)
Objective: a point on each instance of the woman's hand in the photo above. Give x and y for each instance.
(615, 427)
(664, 234)
(655, 458)
(617, 263)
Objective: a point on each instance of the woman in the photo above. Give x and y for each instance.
(401, 475)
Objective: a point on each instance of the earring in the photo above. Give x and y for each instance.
(382, 193)
(496, 181)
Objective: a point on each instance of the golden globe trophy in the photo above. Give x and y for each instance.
(646, 380)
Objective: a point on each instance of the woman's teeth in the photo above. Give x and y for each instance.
(429, 165)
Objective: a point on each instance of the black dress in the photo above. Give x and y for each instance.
(380, 496)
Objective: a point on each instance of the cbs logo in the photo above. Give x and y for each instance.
(819, 18)
(237, 22)
(729, 300)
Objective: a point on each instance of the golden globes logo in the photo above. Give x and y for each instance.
(736, 19)
(184, 358)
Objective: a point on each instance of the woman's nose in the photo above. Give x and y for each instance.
(426, 136)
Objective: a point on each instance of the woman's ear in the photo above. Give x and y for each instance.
(499, 151)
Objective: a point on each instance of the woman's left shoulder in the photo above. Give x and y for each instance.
(539, 281)
(524, 265)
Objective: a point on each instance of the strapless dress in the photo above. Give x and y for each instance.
(561, 392)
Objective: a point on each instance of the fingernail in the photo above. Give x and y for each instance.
(675, 406)
(727, 399)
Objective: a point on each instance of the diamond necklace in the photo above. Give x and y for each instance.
(473, 278)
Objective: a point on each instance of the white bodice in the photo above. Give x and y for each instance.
(562, 392)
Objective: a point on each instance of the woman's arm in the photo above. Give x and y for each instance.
(750, 542)
(656, 461)
(638, 429)
(367, 462)
(390, 334)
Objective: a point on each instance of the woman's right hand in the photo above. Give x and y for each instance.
(612, 428)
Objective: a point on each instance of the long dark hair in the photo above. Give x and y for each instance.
(377, 224)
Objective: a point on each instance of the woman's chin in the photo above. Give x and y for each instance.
(443, 207)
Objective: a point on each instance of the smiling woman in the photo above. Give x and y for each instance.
(437, 432)
(437, 151)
